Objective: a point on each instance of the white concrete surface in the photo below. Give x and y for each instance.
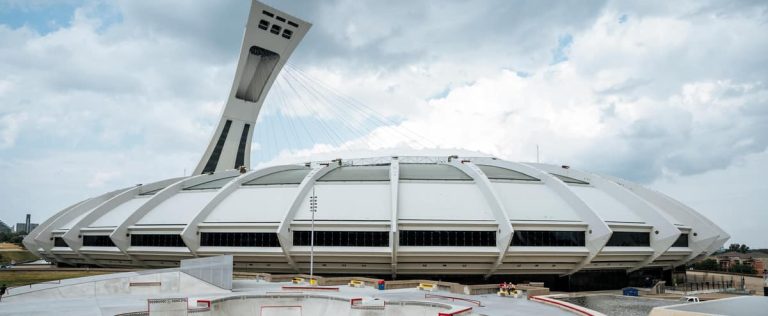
(113, 294)
(734, 306)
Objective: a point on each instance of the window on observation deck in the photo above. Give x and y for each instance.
(264, 24)
(239, 239)
(59, 242)
(681, 241)
(537, 238)
(449, 238)
(98, 241)
(156, 240)
(629, 239)
(342, 238)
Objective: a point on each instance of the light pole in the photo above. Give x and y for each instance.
(312, 209)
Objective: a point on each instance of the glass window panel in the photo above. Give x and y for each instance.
(569, 179)
(294, 176)
(417, 171)
(681, 241)
(497, 173)
(213, 184)
(357, 173)
(629, 239)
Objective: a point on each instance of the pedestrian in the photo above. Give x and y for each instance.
(2, 291)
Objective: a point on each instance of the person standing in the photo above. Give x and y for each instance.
(2, 291)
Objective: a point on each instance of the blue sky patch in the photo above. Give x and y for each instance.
(559, 53)
(623, 18)
(41, 17)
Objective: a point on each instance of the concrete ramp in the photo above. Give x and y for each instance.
(162, 282)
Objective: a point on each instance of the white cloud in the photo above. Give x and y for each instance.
(10, 125)
(670, 91)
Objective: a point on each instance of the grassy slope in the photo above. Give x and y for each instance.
(17, 256)
(7, 245)
(12, 252)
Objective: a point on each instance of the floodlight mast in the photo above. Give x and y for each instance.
(270, 38)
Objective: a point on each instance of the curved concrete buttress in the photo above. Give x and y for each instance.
(33, 245)
(504, 229)
(664, 232)
(44, 238)
(283, 230)
(120, 236)
(394, 187)
(598, 232)
(191, 235)
(703, 234)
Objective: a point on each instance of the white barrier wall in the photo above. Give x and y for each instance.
(214, 270)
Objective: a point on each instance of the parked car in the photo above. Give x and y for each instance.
(690, 299)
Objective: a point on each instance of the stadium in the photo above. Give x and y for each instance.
(446, 216)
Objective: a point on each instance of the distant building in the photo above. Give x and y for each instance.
(22, 227)
(4, 228)
(27, 226)
(728, 260)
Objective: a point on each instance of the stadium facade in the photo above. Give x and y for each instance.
(398, 216)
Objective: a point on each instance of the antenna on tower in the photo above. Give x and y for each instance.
(537, 153)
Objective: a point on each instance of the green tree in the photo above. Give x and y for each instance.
(743, 268)
(743, 248)
(708, 265)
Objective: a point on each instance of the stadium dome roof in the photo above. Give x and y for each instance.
(494, 216)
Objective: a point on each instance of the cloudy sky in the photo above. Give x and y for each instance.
(99, 95)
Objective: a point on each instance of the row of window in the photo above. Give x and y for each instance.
(534, 238)
(342, 239)
(447, 238)
(381, 239)
(239, 239)
(98, 241)
(157, 240)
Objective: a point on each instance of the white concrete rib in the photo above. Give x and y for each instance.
(73, 238)
(703, 234)
(45, 240)
(191, 233)
(284, 229)
(598, 231)
(504, 229)
(30, 241)
(394, 236)
(120, 236)
(664, 232)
